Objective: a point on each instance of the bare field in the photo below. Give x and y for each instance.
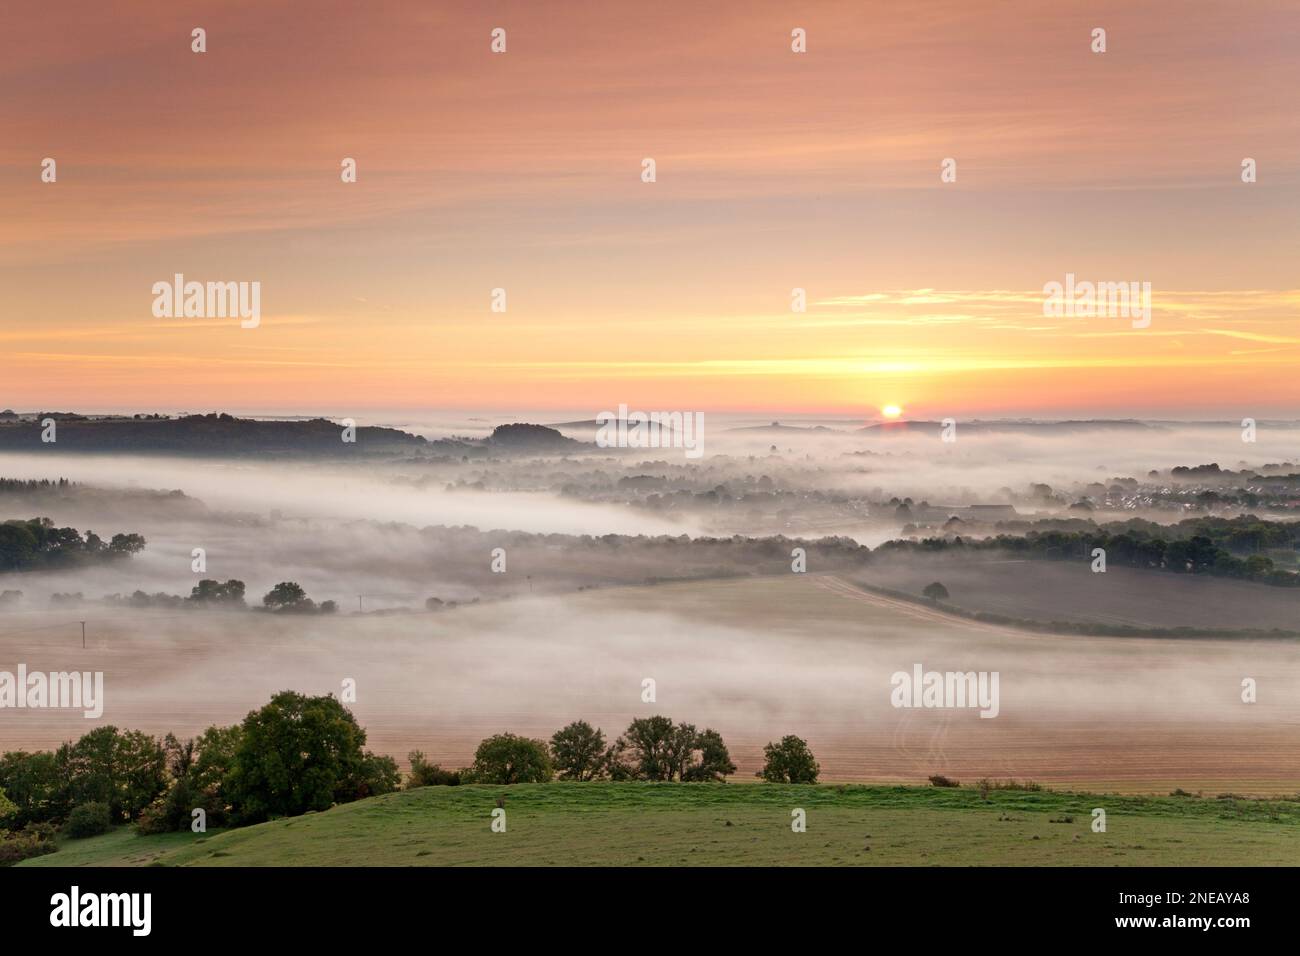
(753, 658)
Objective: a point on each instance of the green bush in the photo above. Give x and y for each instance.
(87, 820)
(425, 774)
(35, 839)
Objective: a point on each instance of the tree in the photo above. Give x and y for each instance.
(509, 759)
(208, 591)
(653, 748)
(790, 761)
(17, 546)
(648, 748)
(296, 754)
(715, 762)
(284, 595)
(198, 769)
(34, 785)
(579, 751)
(125, 544)
(935, 591)
(125, 769)
(7, 807)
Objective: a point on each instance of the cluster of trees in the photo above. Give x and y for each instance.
(299, 754)
(1200, 546)
(37, 543)
(295, 754)
(287, 597)
(28, 485)
(651, 749)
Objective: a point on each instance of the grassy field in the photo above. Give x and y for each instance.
(699, 824)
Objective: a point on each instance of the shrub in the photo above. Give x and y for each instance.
(935, 591)
(87, 820)
(33, 840)
(1011, 783)
(378, 774)
(174, 810)
(939, 780)
(425, 774)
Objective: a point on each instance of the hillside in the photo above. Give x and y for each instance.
(730, 825)
(208, 435)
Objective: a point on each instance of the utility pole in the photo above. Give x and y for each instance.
(359, 611)
(83, 635)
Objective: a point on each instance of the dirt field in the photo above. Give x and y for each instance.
(753, 658)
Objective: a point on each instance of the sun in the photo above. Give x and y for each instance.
(891, 411)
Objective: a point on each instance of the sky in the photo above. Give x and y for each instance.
(774, 170)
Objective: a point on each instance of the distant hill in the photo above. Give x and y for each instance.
(214, 434)
(529, 438)
(227, 435)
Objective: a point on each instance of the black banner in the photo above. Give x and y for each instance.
(340, 905)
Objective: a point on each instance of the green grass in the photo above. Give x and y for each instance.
(120, 847)
(701, 824)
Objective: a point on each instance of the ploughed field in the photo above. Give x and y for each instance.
(754, 658)
(1068, 590)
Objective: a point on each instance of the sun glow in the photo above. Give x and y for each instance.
(891, 411)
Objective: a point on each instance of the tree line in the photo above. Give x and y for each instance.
(652, 749)
(299, 753)
(36, 543)
(294, 755)
(1208, 549)
(287, 597)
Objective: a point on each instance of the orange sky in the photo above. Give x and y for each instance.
(775, 170)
